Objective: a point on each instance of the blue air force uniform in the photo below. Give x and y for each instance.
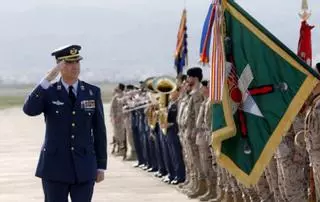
(75, 138)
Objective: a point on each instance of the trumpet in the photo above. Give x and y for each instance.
(129, 95)
(130, 109)
(140, 100)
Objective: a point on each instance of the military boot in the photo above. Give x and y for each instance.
(180, 186)
(187, 185)
(211, 192)
(237, 197)
(200, 189)
(245, 197)
(227, 196)
(220, 193)
(121, 150)
(191, 186)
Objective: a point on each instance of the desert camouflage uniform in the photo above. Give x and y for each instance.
(203, 140)
(131, 152)
(116, 113)
(291, 162)
(263, 189)
(272, 177)
(312, 139)
(182, 103)
(192, 109)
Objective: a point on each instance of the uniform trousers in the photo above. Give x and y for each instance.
(175, 151)
(59, 192)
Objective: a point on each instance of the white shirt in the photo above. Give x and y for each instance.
(75, 86)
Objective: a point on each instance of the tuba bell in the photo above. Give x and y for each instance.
(164, 85)
(148, 84)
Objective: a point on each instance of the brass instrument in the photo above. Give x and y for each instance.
(140, 105)
(152, 116)
(148, 84)
(164, 85)
(149, 98)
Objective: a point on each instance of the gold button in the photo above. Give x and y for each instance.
(73, 124)
(73, 112)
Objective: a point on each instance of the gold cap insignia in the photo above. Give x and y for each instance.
(73, 51)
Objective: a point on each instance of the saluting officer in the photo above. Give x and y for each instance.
(74, 155)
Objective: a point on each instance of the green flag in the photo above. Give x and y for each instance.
(265, 88)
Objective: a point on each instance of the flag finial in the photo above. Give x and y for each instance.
(305, 13)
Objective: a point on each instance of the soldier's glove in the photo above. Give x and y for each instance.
(54, 72)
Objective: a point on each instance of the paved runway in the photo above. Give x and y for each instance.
(20, 141)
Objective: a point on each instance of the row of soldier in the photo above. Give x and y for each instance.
(182, 155)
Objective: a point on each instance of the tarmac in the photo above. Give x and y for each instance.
(20, 143)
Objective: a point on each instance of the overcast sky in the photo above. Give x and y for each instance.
(122, 39)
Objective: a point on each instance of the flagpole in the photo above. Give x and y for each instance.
(305, 14)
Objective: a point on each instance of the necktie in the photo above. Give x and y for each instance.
(72, 96)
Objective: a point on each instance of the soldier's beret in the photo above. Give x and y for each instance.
(68, 53)
(195, 72)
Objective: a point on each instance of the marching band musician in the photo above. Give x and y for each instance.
(150, 138)
(174, 145)
(136, 116)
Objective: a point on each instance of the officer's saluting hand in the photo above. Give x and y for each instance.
(74, 154)
(54, 72)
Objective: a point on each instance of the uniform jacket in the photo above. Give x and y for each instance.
(193, 108)
(75, 137)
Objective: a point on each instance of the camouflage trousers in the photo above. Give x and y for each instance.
(193, 152)
(129, 136)
(314, 156)
(186, 158)
(272, 177)
(291, 163)
(119, 132)
(313, 147)
(206, 157)
(263, 190)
